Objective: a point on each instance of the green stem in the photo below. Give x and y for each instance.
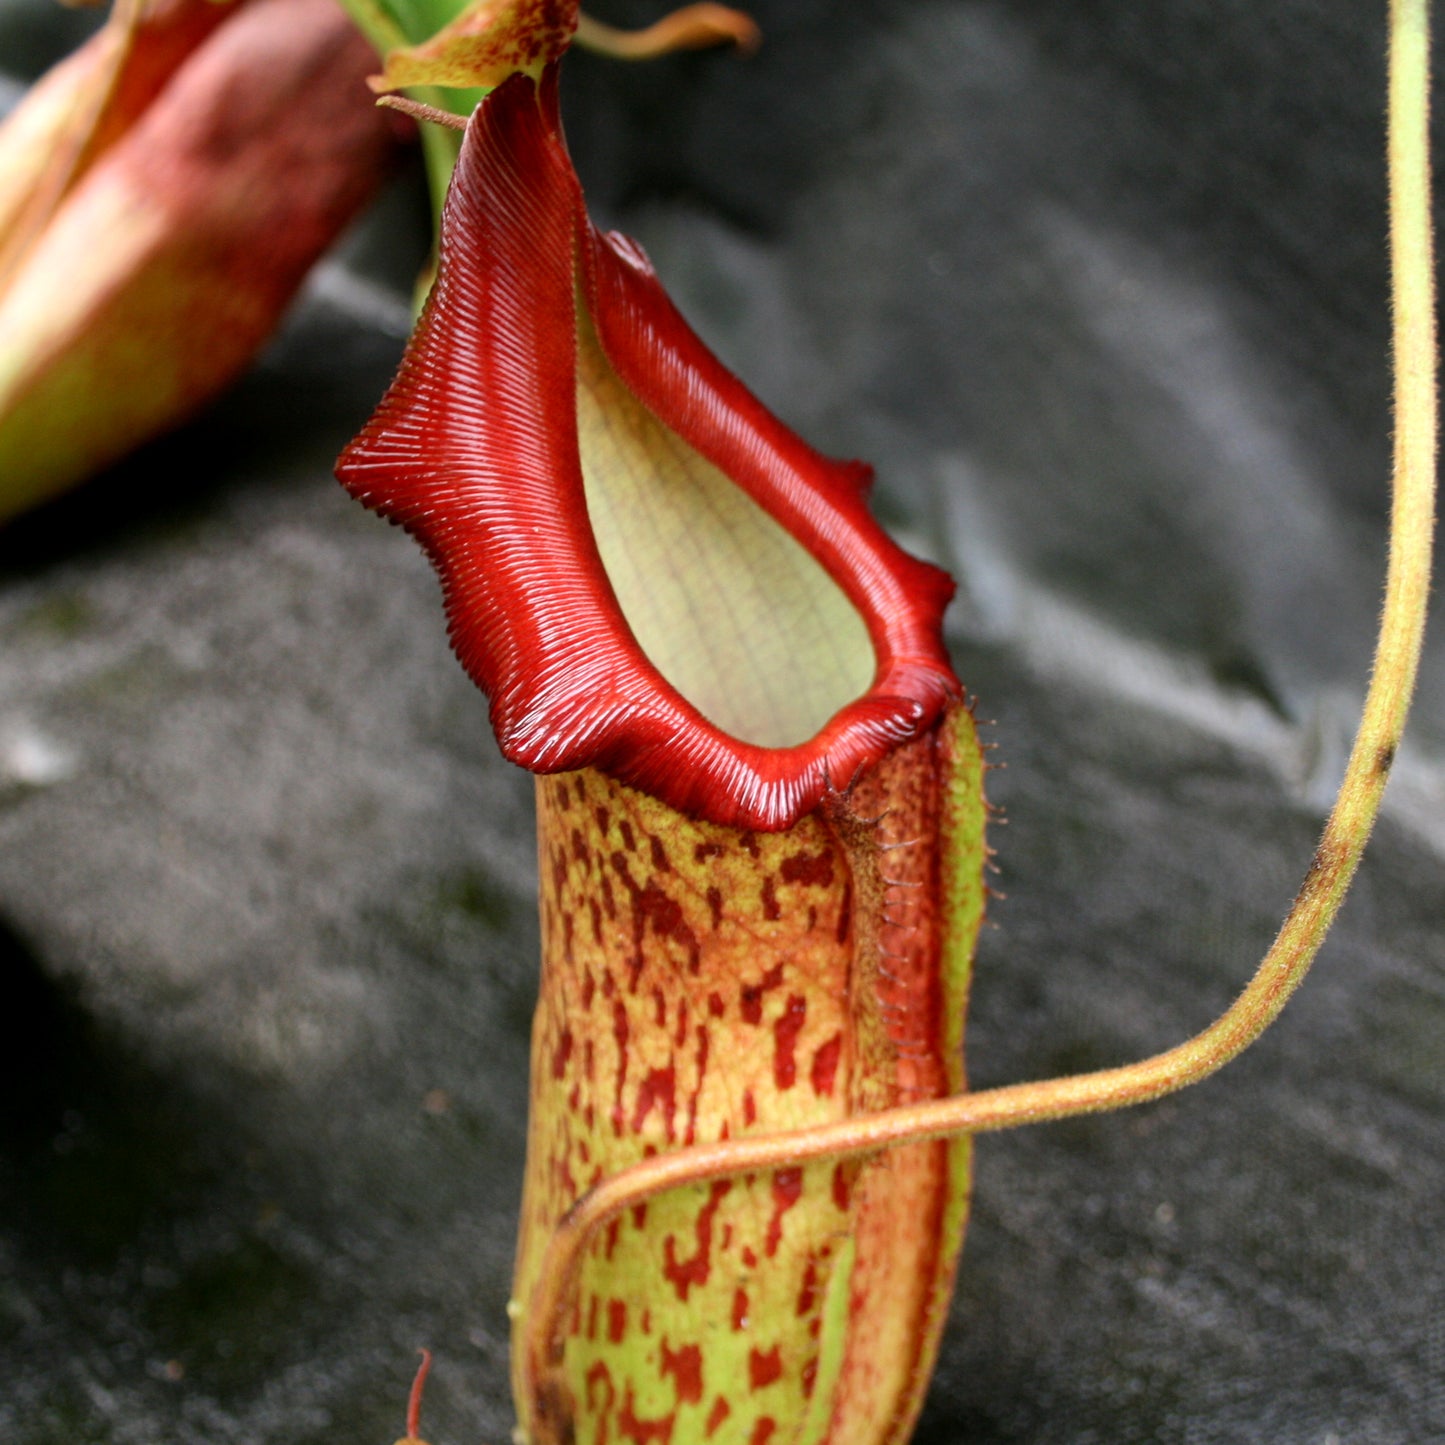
(440, 146)
(1345, 835)
(393, 26)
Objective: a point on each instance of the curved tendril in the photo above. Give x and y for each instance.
(1345, 834)
(693, 27)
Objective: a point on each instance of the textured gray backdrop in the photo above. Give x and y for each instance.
(1100, 290)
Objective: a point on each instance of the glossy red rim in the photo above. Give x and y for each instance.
(474, 451)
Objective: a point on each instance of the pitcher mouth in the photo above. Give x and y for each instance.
(644, 569)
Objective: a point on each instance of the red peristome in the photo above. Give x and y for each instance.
(474, 450)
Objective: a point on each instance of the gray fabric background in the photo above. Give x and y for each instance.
(1099, 288)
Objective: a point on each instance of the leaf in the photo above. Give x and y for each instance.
(487, 42)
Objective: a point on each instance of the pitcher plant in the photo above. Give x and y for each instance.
(760, 804)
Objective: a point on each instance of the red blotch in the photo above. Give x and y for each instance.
(740, 1309)
(658, 1089)
(599, 1380)
(684, 1273)
(679, 929)
(825, 1066)
(764, 1367)
(616, 1320)
(562, 1055)
(702, 1050)
(845, 914)
(685, 1366)
(842, 1187)
(786, 1029)
(715, 906)
(750, 1258)
(787, 1190)
(813, 870)
(664, 912)
(772, 909)
(629, 839)
(621, 1031)
(660, 859)
(703, 851)
(810, 1378)
(589, 984)
(715, 1005)
(750, 1107)
(654, 906)
(808, 1291)
(751, 994)
(763, 1430)
(719, 1412)
(643, 1431)
(563, 1170)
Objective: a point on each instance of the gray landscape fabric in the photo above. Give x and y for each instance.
(1100, 290)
